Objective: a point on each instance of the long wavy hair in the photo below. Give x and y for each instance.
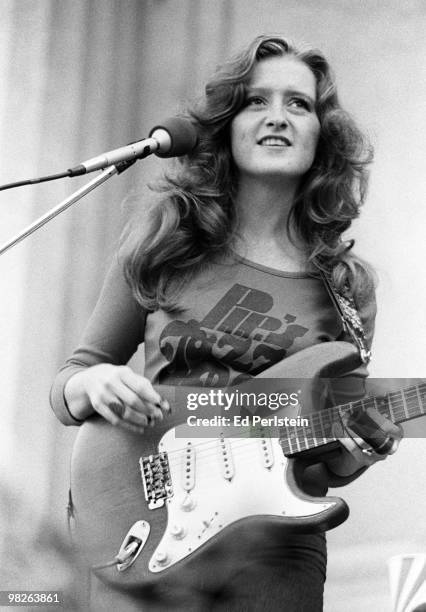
(194, 223)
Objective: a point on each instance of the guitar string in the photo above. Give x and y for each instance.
(318, 416)
(237, 449)
(327, 416)
(237, 452)
(213, 447)
(201, 448)
(213, 452)
(252, 450)
(304, 442)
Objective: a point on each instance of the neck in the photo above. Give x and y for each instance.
(262, 216)
(398, 406)
(264, 207)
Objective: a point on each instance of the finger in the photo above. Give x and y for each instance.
(116, 389)
(112, 416)
(165, 406)
(395, 431)
(127, 415)
(377, 416)
(384, 423)
(355, 445)
(377, 431)
(338, 430)
(137, 405)
(394, 447)
(354, 458)
(114, 410)
(129, 427)
(141, 386)
(117, 408)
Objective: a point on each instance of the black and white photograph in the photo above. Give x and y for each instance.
(212, 312)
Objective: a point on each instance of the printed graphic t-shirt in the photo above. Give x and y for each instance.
(237, 319)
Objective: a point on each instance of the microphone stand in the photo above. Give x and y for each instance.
(72, 199)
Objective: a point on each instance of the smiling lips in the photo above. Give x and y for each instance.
(274, 141)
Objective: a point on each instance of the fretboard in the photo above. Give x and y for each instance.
(398, 406)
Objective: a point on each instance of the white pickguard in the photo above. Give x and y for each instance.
(206, 500)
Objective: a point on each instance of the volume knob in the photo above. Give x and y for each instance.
(161, 557)
(178, 532)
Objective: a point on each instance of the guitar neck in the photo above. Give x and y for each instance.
(399, 406)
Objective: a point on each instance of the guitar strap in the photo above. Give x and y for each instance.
(348, 314)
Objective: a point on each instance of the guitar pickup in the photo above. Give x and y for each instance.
(156, 479)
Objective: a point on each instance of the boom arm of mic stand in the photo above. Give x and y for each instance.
(72, 199)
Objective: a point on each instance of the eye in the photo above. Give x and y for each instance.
(300, 103)
(254, 101)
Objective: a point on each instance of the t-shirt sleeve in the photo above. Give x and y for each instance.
(112, 335)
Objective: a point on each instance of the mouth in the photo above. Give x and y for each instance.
(274, 141)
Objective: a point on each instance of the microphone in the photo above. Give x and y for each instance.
(174, 137)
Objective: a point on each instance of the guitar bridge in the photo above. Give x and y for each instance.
(156, 480)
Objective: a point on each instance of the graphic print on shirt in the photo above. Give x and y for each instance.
(235, 336)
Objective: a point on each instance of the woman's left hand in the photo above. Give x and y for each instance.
(366, 437)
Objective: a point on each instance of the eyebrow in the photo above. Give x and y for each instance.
(289, 92)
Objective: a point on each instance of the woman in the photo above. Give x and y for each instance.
(226, 283)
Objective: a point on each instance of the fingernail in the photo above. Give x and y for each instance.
(164, 405)
(158, 415)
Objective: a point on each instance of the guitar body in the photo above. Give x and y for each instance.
(198, 496)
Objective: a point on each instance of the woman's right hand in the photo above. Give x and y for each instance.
(118, 394)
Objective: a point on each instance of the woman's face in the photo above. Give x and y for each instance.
(276, 132)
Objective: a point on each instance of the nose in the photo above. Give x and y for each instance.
(277, 117)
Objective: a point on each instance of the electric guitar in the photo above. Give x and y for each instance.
(188, 496)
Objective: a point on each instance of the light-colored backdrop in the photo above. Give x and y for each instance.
(78, 78)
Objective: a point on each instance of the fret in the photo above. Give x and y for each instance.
(402, 394)
(297, 439)
(402, 405)
(296, 436)
(375, 404)
(305, 438)
(381, 404)
(321, 433)
(367, 402)
(327, 421)
(290, 440)
(399, 406)
(311, 432)
(420, 398)
(412, 401)
(321, 416)
(286, 441)
(396, 407)
(391, 411)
